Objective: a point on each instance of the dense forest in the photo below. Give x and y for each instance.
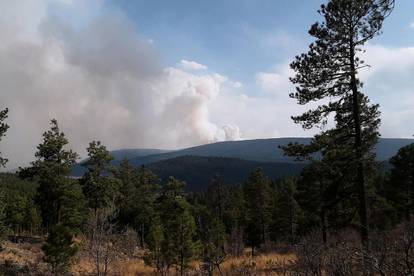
(175, 228)
(343, 215)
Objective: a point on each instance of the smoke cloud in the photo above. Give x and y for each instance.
(92, 70)
(102, 81)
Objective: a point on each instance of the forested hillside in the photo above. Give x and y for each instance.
(261, 150)
(197, 171)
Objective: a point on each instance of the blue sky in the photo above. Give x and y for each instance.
(173, 74)
(240, 37)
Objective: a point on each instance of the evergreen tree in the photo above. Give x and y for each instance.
(155, 241)
(400, 187)
(178, 226)
(16, 208)
(3, 130)
(143, 207)
(320, 189)
(100, 188)
(329, 73)
(59, 249)
(21, 212)
(216, 197)
(183, 230)
(138, 193)
(3, 161)
(32, 218)
(73, 210)
(127, 175)
(214, 245)
(3, 226)
(287, 212)
(51, 169)
(235, 219)
(258, 199)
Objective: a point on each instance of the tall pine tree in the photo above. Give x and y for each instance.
(287, 213)
(328, 73)
(58, 196)
(138, 193)
(99, 186)
(400, 187)
(178, 241)
(3, 129)
(258, 201)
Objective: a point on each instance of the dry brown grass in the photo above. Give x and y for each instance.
(121, 268)
(258, 265)
(31, 255)
(264, 264)
(259, 261)
(135, 267)
(23, 253)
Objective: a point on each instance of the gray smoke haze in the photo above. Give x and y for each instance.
(101, 81)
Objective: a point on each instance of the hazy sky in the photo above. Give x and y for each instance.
(172, 74)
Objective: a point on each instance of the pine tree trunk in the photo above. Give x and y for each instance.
(141, 236)
(323, 222)
(412, 194)
(360, 181)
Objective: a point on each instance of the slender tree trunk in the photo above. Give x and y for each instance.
(263, 233)
(360, 181)
(182, 249)
(323, 222)
(411, 217)
(219, 202)
(291, 221)
(141, 236)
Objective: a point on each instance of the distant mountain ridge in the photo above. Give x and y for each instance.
(197, 171)
(134, 153)
(259, 150)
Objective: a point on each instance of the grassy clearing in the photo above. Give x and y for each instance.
(30, 256)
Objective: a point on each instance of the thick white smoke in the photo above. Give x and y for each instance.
(101, 81)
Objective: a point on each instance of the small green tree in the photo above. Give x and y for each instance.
(52, 169)
(73, 210)
(3, 161)
(287, 212)
(155, 240)
(216, 196)
(258, 199)
(183, 231)
(212, 230)
(138, 193)
(32, 220)
(235, 219)
(400, 187)
(3, 129)
(177, 240)
(21, 212)
(214, 245)
(127, 175)
(99, 186)
(16, 209)
(320, 190)
(3, 226)
(59, 249)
